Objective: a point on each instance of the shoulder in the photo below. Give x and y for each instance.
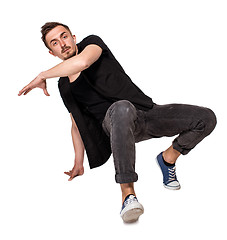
(92, 39)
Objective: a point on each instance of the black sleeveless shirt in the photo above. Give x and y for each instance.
(90, 100)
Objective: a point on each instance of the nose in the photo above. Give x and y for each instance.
(62, 43)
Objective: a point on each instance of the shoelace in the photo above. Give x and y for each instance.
(129, 200)
(172, 174)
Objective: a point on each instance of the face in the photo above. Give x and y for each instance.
(61, 43)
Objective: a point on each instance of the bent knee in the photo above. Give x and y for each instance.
(123, 108)
(123, 113)
(209, 119)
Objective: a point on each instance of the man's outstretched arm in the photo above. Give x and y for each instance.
(68, 67)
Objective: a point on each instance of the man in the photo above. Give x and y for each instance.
(110, 113)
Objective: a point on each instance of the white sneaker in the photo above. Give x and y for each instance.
(131, 209)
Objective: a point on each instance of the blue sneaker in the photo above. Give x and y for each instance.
(169, 174)
(131, 209)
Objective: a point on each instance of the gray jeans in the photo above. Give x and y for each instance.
(126, 125)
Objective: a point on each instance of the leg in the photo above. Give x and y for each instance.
(192, 123)
(127, 189)
(119, 123)
(131, 208)
(171, 155)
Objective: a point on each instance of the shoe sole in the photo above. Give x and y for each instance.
(132, 214)
(171, 188)
(166, 186)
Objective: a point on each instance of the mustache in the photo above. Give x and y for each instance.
(65, 49)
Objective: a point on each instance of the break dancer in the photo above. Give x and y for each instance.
(110, 113)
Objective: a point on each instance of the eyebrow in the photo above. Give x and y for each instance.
(56, 39)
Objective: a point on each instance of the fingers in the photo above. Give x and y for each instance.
(24, 91)
(37, 82)
(72, 174)
(67, 173)
(46, 92)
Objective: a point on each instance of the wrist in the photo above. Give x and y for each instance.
(79, 161)
(43, 75)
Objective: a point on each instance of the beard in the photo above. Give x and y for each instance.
(69, 54)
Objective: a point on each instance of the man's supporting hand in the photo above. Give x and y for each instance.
(76, 171)
(78, 145)
(39, 82)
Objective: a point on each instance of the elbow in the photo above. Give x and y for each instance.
(85, 64)
(79, 65)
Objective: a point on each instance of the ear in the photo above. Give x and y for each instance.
(74, 38)
(52, 53)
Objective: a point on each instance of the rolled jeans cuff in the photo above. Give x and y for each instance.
(126, 177)
(177, 147)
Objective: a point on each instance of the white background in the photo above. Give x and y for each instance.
(175, 51)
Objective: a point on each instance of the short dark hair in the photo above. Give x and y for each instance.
(47, 27)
